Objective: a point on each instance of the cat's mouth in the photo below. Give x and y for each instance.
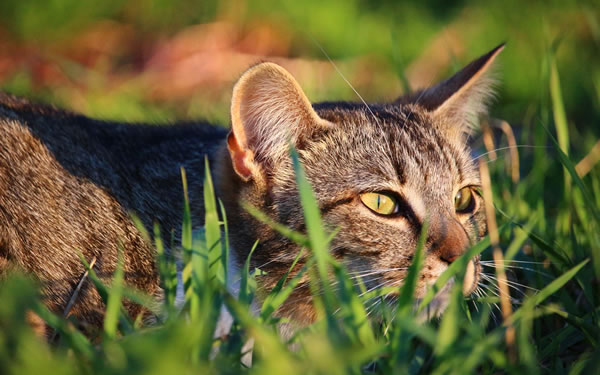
(471, 277)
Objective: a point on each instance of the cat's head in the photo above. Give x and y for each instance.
(378, 172)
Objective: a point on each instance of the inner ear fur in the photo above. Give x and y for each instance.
(457, 102)
(269, 111)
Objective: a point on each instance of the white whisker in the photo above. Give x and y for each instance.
(507, 148)
(344, 78)
(509, 261)
(509, 267)
(511, 283)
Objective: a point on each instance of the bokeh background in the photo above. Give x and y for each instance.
(165, 60)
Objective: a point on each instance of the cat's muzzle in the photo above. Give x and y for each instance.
(471, 276)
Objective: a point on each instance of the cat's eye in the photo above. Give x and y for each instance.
(464, 201)
(381, 203)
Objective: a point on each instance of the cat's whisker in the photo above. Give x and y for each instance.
(345, 79)
(378, 299)
(496, 293)
(490, 288)
(481, 293)
(496, 290)
(509, 267)
(334, 284)
(360, 277)
(515, 285)
(372, 308)
(507, 148)
(381, 285)
(374, 272)
(509, 261)
(389, 325)
(275, 259)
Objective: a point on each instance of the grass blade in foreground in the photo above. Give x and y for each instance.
(113, 305)
(554, 286)
(316, 233)
(217, 255)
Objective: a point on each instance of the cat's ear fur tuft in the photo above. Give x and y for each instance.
(458, 101)
(269, 111)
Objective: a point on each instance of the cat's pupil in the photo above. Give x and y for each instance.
(379, 203)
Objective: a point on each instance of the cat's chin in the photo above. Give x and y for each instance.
(438, 304)
(441, 300)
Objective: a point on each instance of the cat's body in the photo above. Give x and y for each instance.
(68, 183)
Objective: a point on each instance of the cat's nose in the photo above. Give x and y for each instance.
(450, 256)
(453, 242)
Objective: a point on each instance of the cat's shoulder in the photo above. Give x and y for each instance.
(13, 105)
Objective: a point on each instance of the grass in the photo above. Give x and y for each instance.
(555, 317)
(549, 221)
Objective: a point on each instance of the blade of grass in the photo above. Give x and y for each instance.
(246, 291)
(75, 339)
(278, 294)
(167, 270)
(593, 225)
(297, 237)
(212, 229)
(113, 305)
(449, 329)
(314, 227)
(550, 289)
(560, 119)
(352, 310)
(266, 342)
(410, 281)
(568, 164)
(104, 292)
(225, 244)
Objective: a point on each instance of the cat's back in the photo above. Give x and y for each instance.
(76, 136)
(139, 165)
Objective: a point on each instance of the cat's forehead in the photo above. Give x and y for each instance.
(388, 146)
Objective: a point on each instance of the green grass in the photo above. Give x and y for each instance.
(549, 220)
(556, 327)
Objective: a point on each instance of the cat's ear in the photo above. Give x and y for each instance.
(269, 111)
(458, 101)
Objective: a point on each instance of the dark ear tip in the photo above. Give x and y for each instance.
(482, 62)
(496, 50)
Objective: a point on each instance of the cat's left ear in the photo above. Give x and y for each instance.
(457, 102)
(269, 111)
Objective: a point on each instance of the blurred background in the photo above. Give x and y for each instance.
(167, 60)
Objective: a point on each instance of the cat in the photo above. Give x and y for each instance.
(68, 184)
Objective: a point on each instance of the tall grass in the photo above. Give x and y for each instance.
(553, 284)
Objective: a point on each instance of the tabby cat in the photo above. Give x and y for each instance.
(68, 184)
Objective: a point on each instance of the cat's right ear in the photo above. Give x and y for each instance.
(458, 101)
(269, 111)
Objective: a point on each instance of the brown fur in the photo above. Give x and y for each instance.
(68, 183)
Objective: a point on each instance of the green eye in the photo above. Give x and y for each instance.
(464, 201)
(382, 204)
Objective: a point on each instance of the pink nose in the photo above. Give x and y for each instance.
(453, 244)
(450, 257)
